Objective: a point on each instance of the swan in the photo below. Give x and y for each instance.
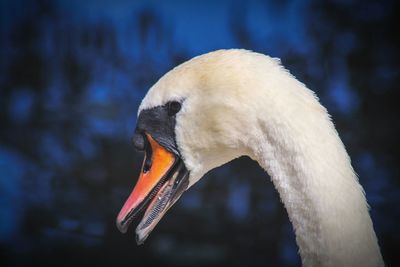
(228, 103)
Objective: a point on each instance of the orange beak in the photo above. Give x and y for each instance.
(157, 163)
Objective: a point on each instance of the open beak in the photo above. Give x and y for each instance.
(162, 181)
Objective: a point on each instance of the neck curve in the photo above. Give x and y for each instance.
(311, 170)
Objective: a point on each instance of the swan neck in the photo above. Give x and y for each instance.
(321, 193)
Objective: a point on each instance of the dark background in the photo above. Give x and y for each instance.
(72, 74)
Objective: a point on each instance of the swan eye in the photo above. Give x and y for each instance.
(173, 107)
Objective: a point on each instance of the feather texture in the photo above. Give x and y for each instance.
(237, 102)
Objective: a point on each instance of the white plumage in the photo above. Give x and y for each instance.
(237, 102)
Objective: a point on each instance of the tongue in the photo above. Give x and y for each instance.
(155, 211)
(156, 206)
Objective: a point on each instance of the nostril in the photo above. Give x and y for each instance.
(138, 141)
(147, 165)
(148, 158)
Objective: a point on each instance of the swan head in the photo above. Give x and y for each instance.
(195, 118)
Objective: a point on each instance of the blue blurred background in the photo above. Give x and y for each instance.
(72, 74)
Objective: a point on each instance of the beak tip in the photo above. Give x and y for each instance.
(140, 239)
(122, 228)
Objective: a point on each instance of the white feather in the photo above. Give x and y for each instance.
(237, 102)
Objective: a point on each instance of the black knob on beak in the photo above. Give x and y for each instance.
(138, 141)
